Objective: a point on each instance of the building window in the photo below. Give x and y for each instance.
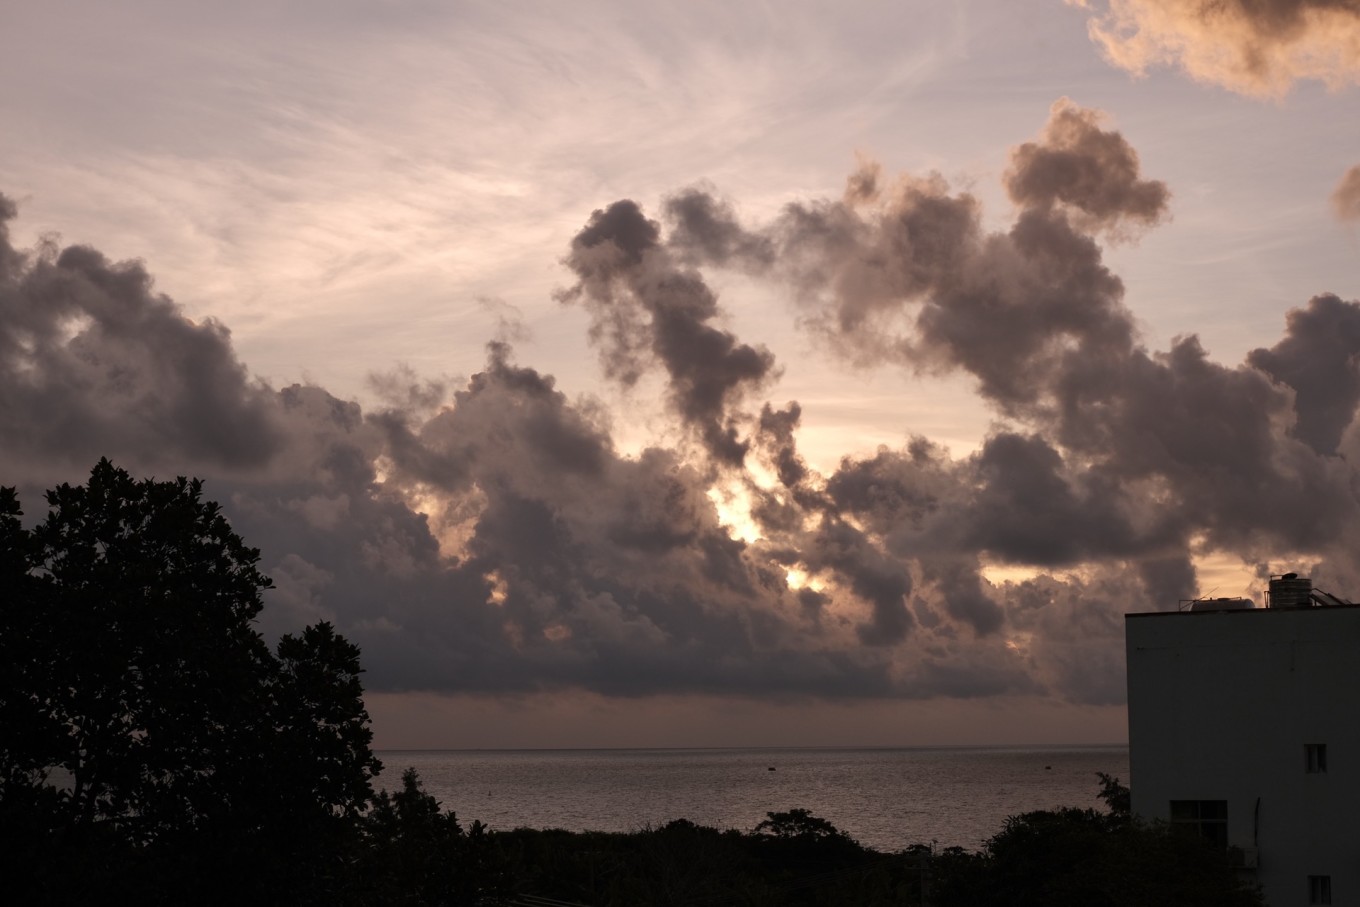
(1207, 819)
(1315, 758)
(1319, 889)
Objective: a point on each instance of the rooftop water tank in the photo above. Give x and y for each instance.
(1290, 591)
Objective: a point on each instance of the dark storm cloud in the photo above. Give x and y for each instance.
(644, 305)
(1071, 632)
(543, 560)
(1168, 579)
(1205, 448)
(1130, 455)
(856, 270)
(11, 261)
(1017, 314)
(1346, 196)
(874, 576)
(1016, 501)
(93, 362)
(961, 588)
(617, 572)
(776, 430)
(906, 273)
(708, 226)
(1318, 359)
(1031, 509)
(1130, 452)
(487, 535)
(1092, 172)
(1258, 47)
(490, 539)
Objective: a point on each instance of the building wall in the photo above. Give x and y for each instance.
(1221, 706)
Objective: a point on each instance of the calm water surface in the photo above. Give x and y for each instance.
(885, 798)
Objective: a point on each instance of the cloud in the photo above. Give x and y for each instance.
(94, 362)
(1092, 172)
(646, 307)
(1346, 196)
(488, 536)
(903, 271)
(1318, 360)
(1254, 48)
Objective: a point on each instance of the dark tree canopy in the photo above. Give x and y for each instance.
(1082, 858)
(140, 708)
(418, 854)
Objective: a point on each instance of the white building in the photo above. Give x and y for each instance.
(1244, 726)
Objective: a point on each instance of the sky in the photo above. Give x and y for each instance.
(703, 374)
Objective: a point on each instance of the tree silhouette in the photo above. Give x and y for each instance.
(418, 854)
(1080, 857)
(145, 723)
(798, 824)
(1117, 797)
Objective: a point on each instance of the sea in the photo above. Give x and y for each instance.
(885, 798)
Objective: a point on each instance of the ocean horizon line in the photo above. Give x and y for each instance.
(1031, 747)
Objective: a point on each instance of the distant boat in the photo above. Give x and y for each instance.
(770, 769)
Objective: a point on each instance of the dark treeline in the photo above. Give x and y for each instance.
(1060, 858)
(155, 750)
